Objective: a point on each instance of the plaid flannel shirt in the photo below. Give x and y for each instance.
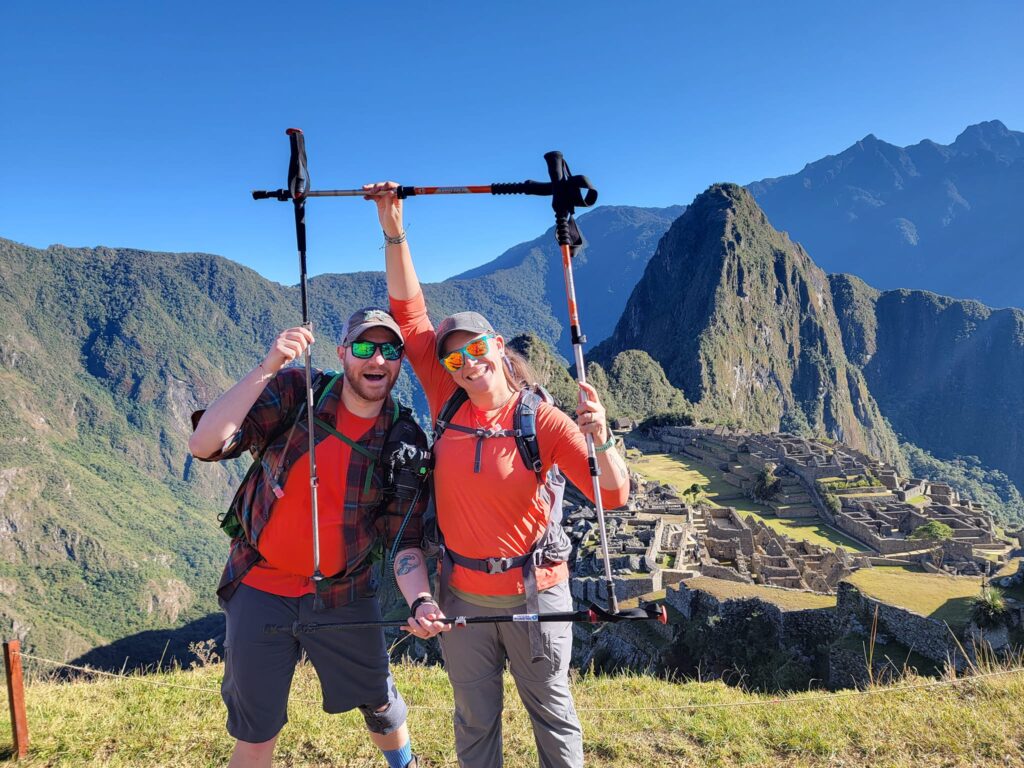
(365, 521)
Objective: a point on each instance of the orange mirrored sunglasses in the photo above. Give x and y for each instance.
(477, 347)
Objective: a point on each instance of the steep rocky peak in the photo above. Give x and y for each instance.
(742, 320)
(992, 137)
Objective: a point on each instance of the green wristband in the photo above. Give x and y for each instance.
(606, 446)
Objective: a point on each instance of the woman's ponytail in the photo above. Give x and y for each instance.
(518, 371)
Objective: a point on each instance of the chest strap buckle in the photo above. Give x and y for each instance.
(498, 564)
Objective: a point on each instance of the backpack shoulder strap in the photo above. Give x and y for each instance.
(448, 411)
(524, 426)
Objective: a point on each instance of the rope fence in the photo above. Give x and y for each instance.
(892, 690)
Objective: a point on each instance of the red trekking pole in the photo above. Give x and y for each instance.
(567, 192)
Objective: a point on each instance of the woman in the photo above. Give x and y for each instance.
(492, 508)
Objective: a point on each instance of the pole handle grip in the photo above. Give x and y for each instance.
(298, 172)
(271, 194)
(527, 187)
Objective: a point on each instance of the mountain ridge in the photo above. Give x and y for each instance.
(929, 216)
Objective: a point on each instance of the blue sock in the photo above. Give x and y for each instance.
(399, 758)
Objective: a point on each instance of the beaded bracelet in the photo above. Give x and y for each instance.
(394, 240)
(606, 446)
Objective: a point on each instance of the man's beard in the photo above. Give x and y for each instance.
(375, 395)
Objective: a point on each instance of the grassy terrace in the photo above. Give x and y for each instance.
(682, 473)
(944, 598)
(787, 599)
(628, 721)
(814, 530)
(1010, 567)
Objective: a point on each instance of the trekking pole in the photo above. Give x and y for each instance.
(298, 185)
(542, 188)
(567, 193)
(593, 615)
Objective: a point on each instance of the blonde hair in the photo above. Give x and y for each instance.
(518, 371)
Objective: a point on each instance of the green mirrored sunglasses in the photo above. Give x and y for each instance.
(364, 350)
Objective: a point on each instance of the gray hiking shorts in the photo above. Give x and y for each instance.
(352, 664)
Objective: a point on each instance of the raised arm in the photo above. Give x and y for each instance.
(224, 417)
(402, 281)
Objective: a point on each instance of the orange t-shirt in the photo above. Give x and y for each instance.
(286, 542)
(499, 511)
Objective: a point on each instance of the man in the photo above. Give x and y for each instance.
(268, 577)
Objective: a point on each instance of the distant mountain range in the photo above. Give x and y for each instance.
(104, 353)
(948, 219)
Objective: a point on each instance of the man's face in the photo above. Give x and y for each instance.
(371, 379)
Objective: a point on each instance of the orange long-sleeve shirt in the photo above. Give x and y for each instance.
(499, 511)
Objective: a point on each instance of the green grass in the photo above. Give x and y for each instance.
(919, 499)
(944, 598)
(787, 599)
(816, 531)
(1010, 567)
(682, 473)
(676, 471)
(121, 723)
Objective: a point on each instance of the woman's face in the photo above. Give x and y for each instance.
(478, 374)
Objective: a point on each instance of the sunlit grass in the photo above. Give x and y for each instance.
(628, 721)
(683, 472)
(788, 599)
(941, 597)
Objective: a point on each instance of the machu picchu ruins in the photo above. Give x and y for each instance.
(674, 542)
(665, 538)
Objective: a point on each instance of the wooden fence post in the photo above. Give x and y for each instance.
(16, 697)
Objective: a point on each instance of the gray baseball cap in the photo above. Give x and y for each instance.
(473, 322)
(366, 318)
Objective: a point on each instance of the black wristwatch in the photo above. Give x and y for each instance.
(420, 601)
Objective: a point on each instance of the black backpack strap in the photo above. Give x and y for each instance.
(524, 428)
(448, 411)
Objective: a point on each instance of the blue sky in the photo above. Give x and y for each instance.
(145, 125)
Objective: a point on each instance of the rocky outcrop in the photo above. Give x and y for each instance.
(945, 372)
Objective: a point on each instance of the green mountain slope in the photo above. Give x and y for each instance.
(742, 322)
(620, 240)
(945, 372)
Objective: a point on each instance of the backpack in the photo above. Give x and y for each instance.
(552, 546)
(524, 431)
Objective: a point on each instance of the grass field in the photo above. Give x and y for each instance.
(1010, 567)
(787, 599)
(176, 719)
(944, 598)
(682, 473)
(812, 529)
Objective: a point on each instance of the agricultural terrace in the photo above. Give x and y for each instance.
(786, 599)
(682, 473)
(938, 596)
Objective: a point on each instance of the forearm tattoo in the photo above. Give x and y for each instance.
(407, 564)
